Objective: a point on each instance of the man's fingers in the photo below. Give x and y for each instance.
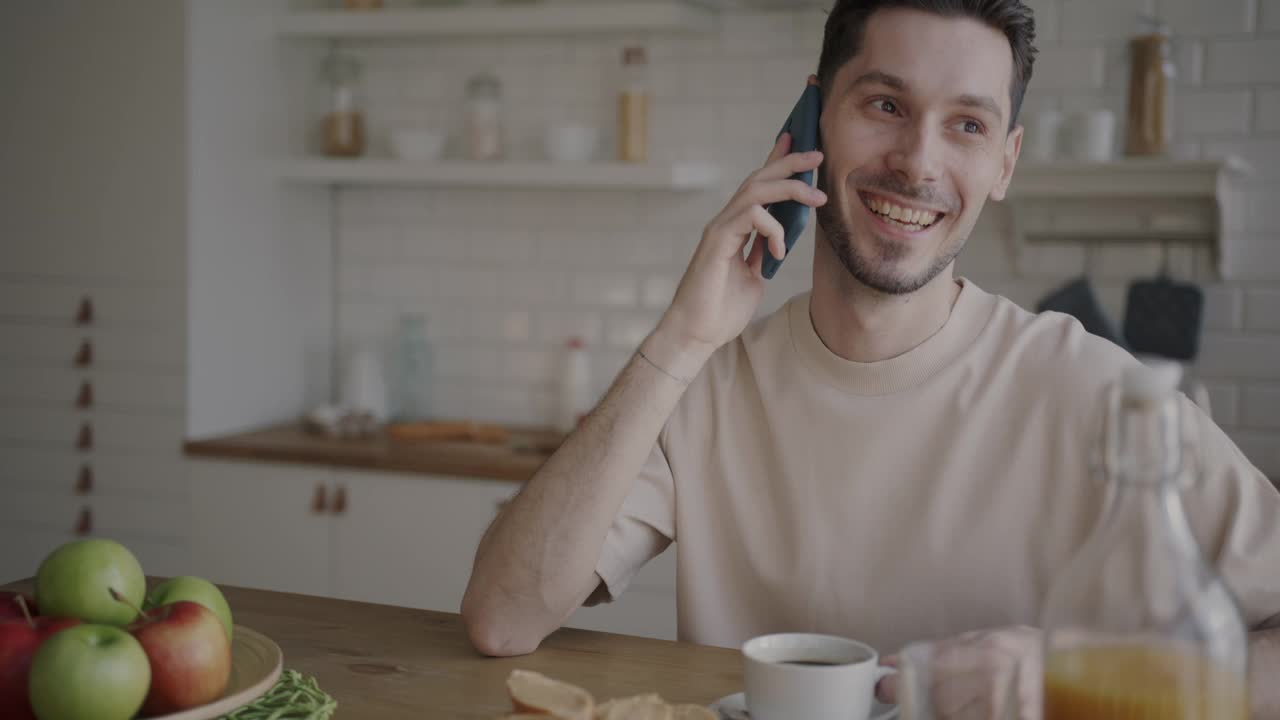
(766, 193)
(887, 689)
(788, 165)
(781, 147)
(953, 693)
(755, 258)
(758, 219)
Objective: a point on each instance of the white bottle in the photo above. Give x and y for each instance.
(575, 386)
(364, 388)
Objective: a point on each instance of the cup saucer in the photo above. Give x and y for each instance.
(734, 707)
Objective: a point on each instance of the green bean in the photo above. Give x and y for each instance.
(293, 697)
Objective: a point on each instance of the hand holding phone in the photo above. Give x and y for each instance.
(792, 215)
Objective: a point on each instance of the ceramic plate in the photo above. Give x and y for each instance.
(734, 707)
(256, 663)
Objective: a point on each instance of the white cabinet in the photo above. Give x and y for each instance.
(409, 539)
(93, 283)
(260, 526)
(389, 538)
(375, 537)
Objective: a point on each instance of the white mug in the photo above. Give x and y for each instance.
(1043, 136)
(1091, 135)
(779, 689)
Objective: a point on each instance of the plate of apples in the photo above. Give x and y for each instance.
(93, 644)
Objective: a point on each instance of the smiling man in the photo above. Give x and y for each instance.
(894, 456)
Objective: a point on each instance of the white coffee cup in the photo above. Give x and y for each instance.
(779, 689)
(571, 143)
(1091, 135)
(1043, 137)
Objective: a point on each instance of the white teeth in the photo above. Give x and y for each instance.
(910, 218)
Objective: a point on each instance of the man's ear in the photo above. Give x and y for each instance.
(1012, 147)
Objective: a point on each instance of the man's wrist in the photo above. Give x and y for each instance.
(672, 355)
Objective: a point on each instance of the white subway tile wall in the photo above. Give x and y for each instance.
(1267, 111)
(1270, 16)
(506, 276)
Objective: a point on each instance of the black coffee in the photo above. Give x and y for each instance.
(824, 663)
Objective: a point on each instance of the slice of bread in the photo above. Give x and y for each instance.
(538, 694)
(692, 712)
(640, 707)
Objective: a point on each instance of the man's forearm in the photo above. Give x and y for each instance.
(1264, 668)
(536, 563)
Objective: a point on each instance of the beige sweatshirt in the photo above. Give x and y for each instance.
(915, 498)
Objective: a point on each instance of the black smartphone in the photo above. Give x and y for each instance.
(792, 215)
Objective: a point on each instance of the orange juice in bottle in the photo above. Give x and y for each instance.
(1138, 626)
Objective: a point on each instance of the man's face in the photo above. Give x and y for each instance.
(915, 125)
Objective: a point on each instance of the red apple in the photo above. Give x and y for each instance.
(19, 640)
(190, 656)
(9, 608)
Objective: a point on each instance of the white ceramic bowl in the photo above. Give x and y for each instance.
(571, 143)
(417, 144)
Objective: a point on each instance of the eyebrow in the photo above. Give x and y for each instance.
(879, 77)
(981, 102)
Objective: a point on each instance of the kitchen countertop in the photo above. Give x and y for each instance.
(515, 461)
(384, 662)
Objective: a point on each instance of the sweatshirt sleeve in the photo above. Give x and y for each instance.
(1234, 511)
(642, 530)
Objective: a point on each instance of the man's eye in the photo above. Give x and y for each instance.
(886, 106)
(972, 127)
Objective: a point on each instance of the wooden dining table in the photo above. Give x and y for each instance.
(385, 662)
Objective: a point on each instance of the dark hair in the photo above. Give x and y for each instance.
(847, 20)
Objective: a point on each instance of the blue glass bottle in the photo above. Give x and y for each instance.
(414, 365)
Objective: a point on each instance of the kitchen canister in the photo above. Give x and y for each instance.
(1090, 135)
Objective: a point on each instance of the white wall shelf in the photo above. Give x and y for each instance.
(532, 19)
(1130, 178)
(533, 175)
(1126, 201)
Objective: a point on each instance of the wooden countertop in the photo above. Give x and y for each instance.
(516, 460)
(383, 662)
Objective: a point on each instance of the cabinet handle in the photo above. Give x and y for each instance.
(340, 500)
(84, 315)
(84, 356)
(84, 483)
(84, 441)
(319, 501)
(84, 399)
(84, 523)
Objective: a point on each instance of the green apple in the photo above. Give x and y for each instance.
(76, 581)
(196, 590)
(89, 672)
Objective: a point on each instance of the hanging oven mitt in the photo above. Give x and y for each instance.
(1078, 300)
(1163, 317)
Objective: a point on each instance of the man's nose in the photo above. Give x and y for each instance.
(915, 156)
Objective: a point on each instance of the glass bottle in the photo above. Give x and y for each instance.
(633, 107)
(344, 123)
(1139, 625)
(575, 386)
(414, 366)
(1151, 90)
(484, 117)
